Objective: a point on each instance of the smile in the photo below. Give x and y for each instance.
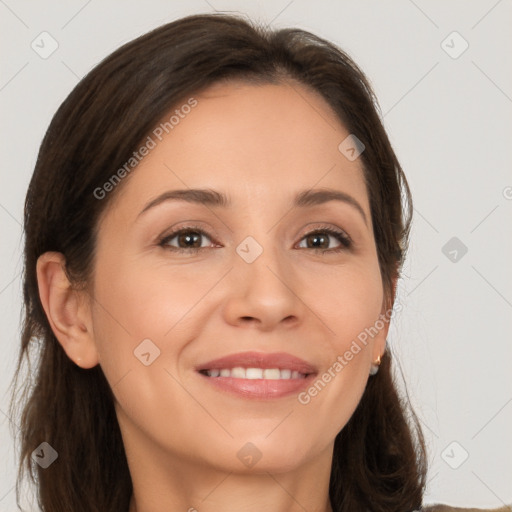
(255, 373)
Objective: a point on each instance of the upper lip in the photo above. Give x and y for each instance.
(280, 360)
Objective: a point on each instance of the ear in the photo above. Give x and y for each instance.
(379, 345)
(68, 310)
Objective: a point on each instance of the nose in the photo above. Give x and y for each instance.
(264, 293)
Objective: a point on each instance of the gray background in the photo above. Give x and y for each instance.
(448, 114)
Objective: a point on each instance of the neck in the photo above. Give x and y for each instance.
(164, 483)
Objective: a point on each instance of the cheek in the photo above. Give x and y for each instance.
(134, 302)
(348, 300)
(143, 318)
(349, 303)
(140, 328)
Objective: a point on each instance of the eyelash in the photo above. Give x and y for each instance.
(341, 236)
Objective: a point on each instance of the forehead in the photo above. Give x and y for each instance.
(257, 143)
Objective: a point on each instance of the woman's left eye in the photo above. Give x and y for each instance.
(191, 238)
(315, 240)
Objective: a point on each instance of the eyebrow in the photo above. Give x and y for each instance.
(214, 198)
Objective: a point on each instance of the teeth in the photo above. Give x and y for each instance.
(272, 374)
(253, 373)
(238, 373)
(286, 374)
(256, 373)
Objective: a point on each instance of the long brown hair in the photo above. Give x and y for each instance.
(379, 460)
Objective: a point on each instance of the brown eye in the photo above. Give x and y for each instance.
(189, 239)
(186, 239)
(320, 239)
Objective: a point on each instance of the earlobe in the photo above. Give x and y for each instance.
(67, 312)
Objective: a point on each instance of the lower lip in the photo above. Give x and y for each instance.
(259, 389)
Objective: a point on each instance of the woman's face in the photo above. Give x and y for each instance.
(258, 275)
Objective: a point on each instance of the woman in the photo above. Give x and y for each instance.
(214, 233)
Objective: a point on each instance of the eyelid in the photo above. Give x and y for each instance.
(329, 229)
(345, 241)
(163, 239)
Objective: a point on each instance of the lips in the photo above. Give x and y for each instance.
(279, 360)
(258, 376)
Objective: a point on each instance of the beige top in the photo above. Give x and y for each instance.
(447, 508)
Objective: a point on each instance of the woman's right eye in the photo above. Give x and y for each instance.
(190, 238)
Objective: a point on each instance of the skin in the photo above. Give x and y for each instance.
(259, 145)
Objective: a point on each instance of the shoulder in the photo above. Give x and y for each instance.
(447, 508)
